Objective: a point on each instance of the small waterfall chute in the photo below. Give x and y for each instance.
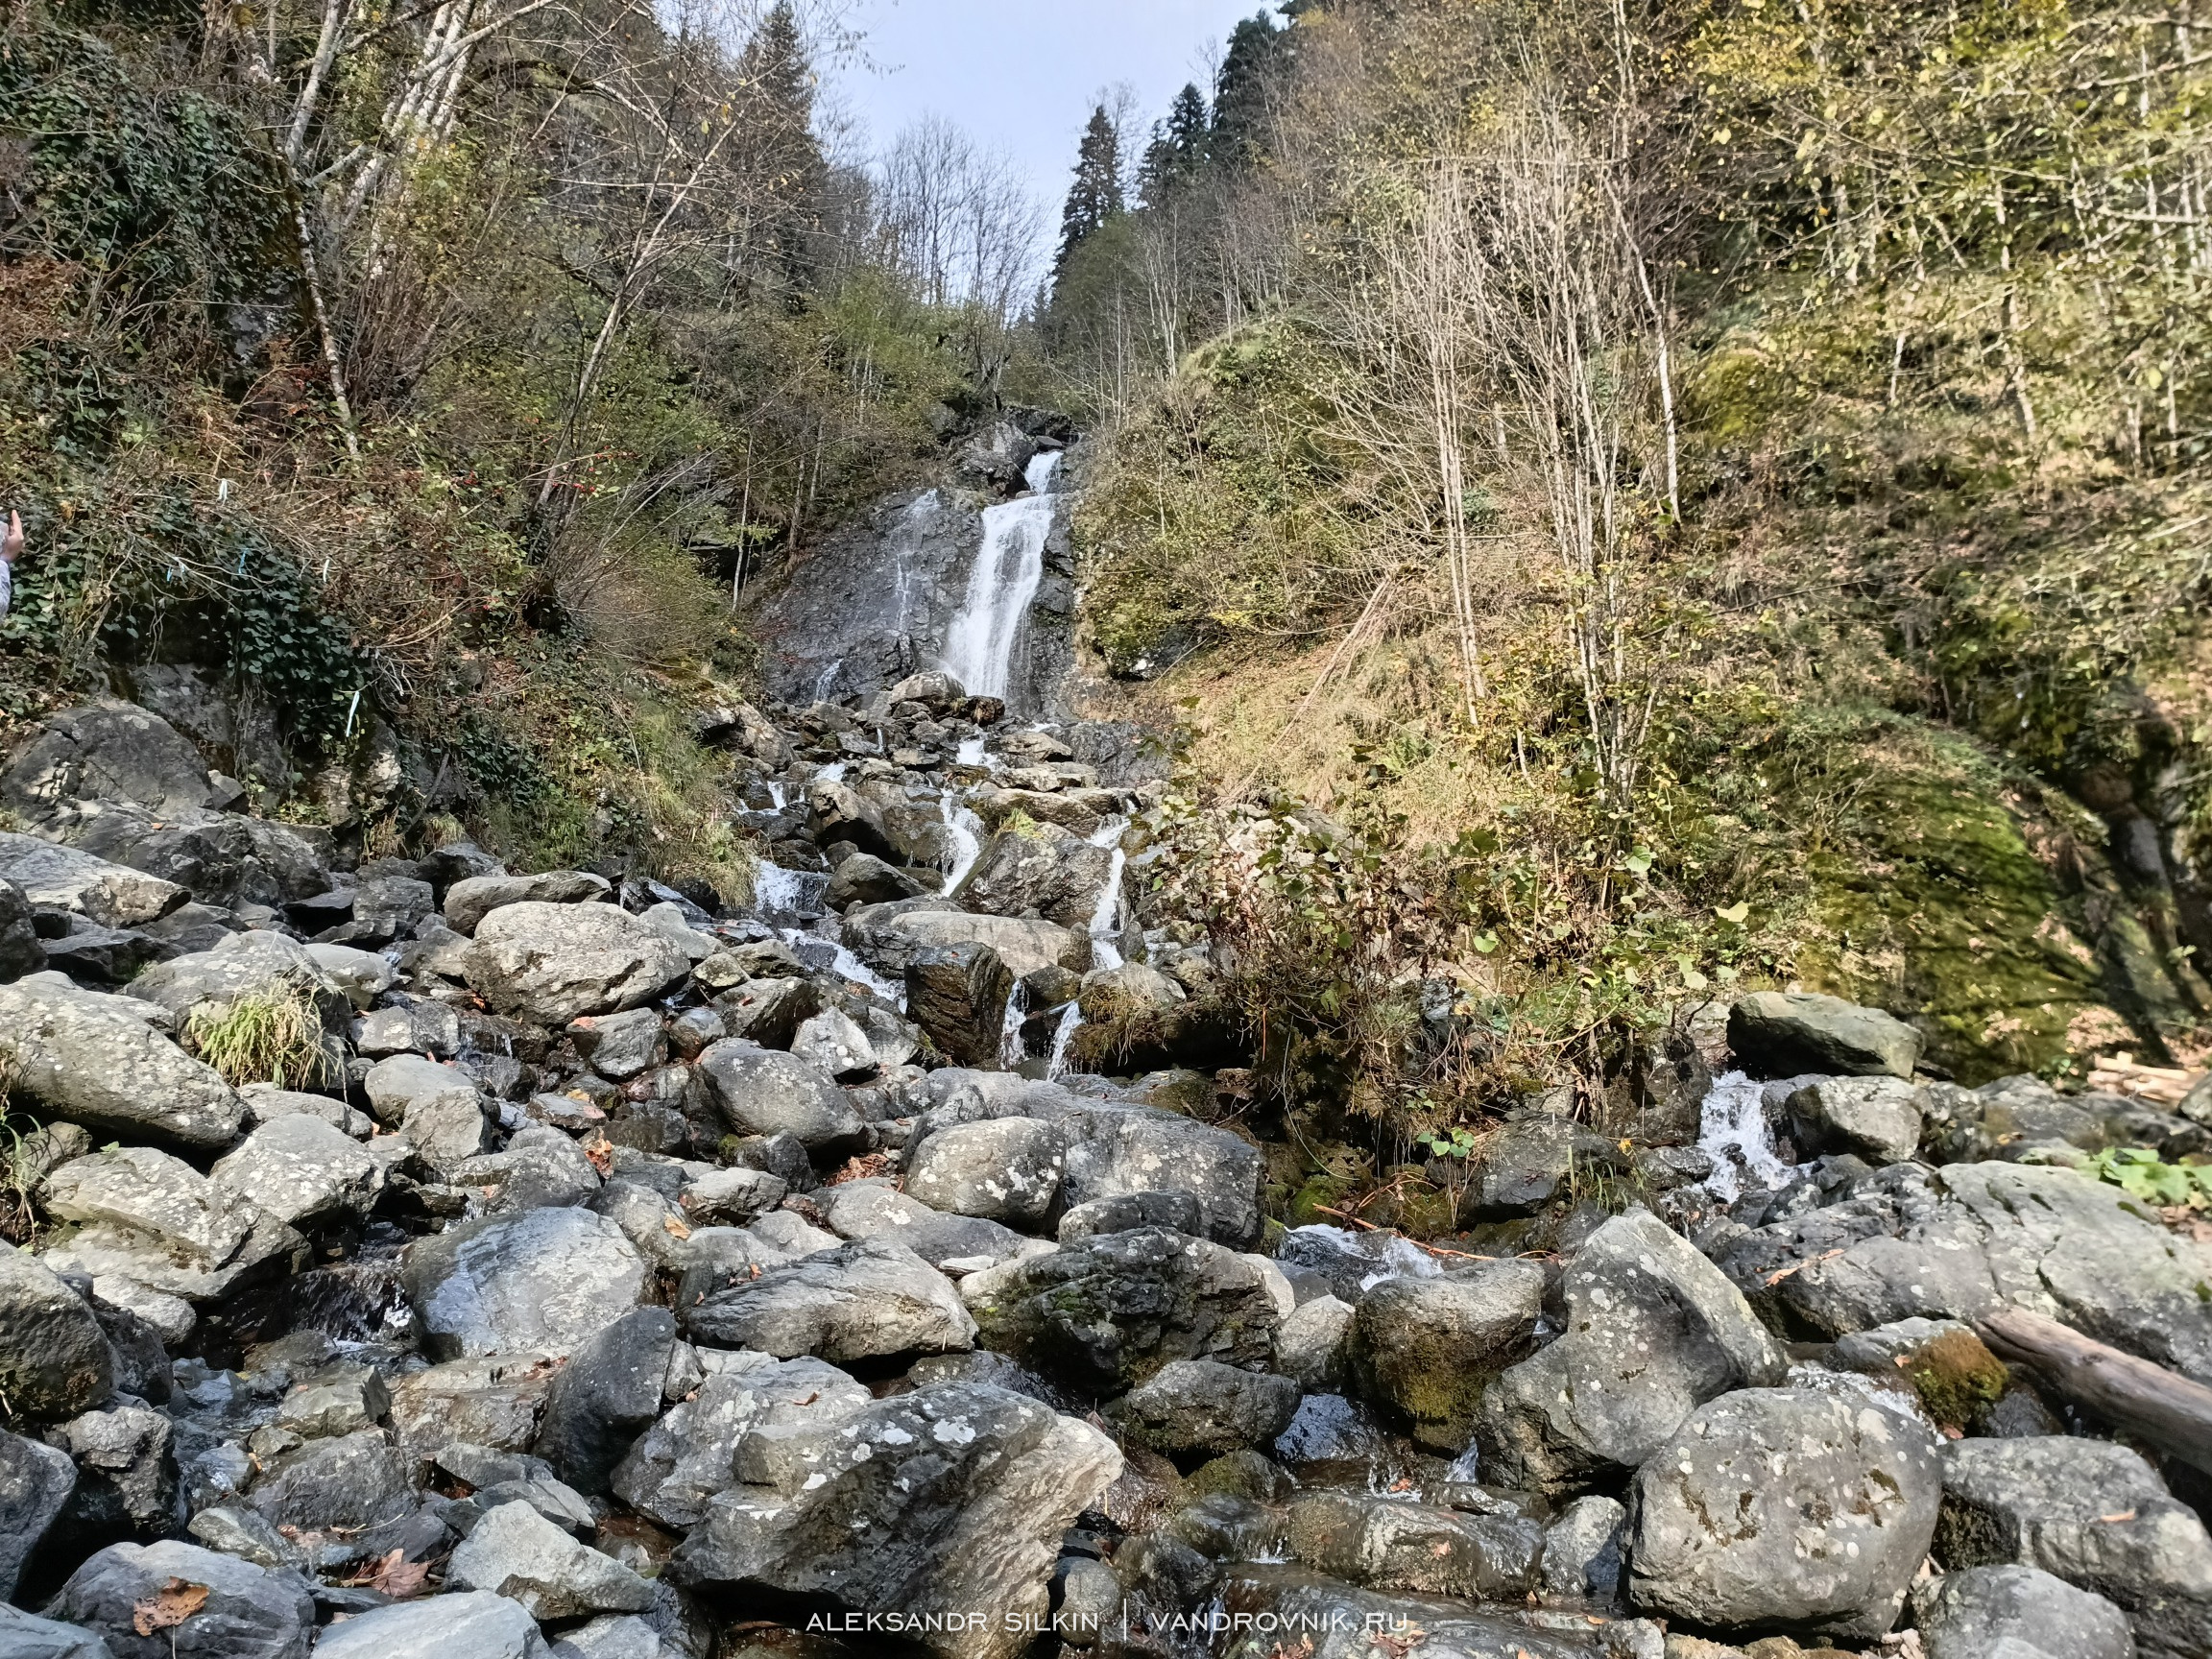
(1001, 585)
(1733, 1128)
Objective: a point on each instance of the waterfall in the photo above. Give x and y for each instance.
(1732, 1127)
(979, 644)
(967, 832)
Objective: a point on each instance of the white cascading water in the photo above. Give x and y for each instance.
(979, 644)
(1732, 1127)
(1105, 930)
(967, 832)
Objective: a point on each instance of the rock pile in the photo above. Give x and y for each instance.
(595, 1268)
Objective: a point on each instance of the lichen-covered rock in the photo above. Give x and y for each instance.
(1193, 1408)
(1109, 1311)
(949, 1500)
(1877, 1118)
(2091, 1513)
(2017, 1613)
(516, 1552)
(1785, 1509)
(1004, 1169)
(55, 1361)
(108, 1064)
(472, 898)
(1653, 1330)
(1956, 1242)
(549, 964)
(470, 1625)
(1390, 1544)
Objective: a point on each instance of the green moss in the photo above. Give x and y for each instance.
(1958, 1379)
(1932, 899)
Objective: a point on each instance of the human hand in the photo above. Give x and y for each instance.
(12, 544)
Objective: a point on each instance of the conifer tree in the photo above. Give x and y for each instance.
(1240, 92)
(780, 155)
(1178, 147)
(1095, 196)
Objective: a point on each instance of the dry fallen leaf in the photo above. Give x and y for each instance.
(2114, 1519)
(669, 1224)
(168, 1606)
(398, 1578)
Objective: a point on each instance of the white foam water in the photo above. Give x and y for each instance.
(1733, 1128)
(1002, 584)
(971, 752)
(1062, 1034)
(967, 832)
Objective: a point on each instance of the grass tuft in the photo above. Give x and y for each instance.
(274, 1035)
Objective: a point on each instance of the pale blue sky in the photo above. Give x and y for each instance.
(1022, 78)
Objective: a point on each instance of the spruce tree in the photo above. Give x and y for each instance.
(1095, 196)
(1178, 147)
(780, 152)
(1241, 92)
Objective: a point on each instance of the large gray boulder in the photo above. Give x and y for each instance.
(1790, 1033)
(1786, 1509)
(687, 1457)
(345, 1483)
(540, 1165)
(2017, 1613)
(300, 1170)
(1388, 1543)
(162, 1224)
(249, 1613)
(867, 1300)
(959, 994)
(1424, 1349)
(549, 964)
(55, 1360)
(26, 1636)
(106, 750)
(937, 1505)
(1107, 1313)
(764, 1092)
(472, 898)
(1877, 1118)
(470, 1625)
(154, 1218)
(514, 1552)
(1960, 1242)
(544, 1281)
(208, 984)
(1529, 1165)
(1038, 870)
(1203, 1407)
(874, 1208)
(887, 936)
(1004, 1169)
(36, 1482)
(1653, 1332)
(2092, 1513)
(437, 1107)
(104, 1062)
(607, 1393)
(63, 879)
(1115, 1149)
(219, 857)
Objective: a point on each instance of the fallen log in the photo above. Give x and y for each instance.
(2163, 1408)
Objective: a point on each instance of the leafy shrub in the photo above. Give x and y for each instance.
(2140, 1173)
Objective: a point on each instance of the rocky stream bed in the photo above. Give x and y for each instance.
(631, 1275)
